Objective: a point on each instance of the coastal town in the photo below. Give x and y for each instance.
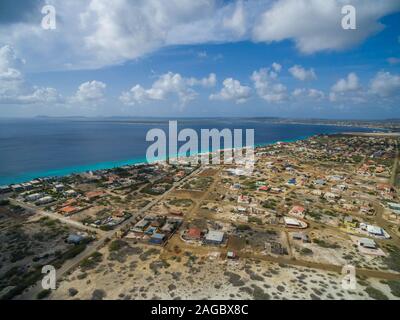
(309, 208)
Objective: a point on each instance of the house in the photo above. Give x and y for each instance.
(394, 207)
(243, 199)
(5, 189)
(231, 255)
(320, 182)
(276, 190)
(93, 195)
(44, 200)
(292, 182)
(375, 230)
(236, 186)
(33, 197)
(59, 187)
(157, 238)
(292, 223)
(317, 192)
(297, 211)
(214, 237)
(151, 230)
(67, 210)
(193, 234)
(264, 188)
(70, 193)
(17, 188)
(140, 226)
(367, 243)
(168, 227)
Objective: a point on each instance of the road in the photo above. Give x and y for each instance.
(55, 216)
(32, 292)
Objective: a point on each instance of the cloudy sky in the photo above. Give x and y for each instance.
(288, 58)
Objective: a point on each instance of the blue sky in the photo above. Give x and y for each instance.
(181, 58)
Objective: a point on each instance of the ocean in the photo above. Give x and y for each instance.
(33, 148)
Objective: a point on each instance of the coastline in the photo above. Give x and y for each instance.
(63, 172)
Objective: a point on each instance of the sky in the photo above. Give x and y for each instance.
(205, 58)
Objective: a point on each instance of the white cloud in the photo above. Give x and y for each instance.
(237, 22)
(315, 25)
(267, 86)
(92, 92)
(316, 94)
(350, 83)
(301, 73)
(312, 93)
(277, 67)
(97, 33)
(166, 84)
(385, 84)
(232, 90)
(13, 87)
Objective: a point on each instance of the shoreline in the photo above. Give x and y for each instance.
(109, 165)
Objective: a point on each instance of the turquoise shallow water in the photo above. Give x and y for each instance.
(40, 148)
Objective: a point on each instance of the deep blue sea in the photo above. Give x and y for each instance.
(54, 147)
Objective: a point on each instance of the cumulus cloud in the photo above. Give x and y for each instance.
(266, 84)
(92, 92)
(385, 84)
(316, 25)
(301, 73)
(97, 33)
(232, 90)
(237, 22)
(13, 87)
(312, 93)
(166, 84)
(350, 83)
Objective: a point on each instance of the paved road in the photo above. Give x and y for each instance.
(32, 292)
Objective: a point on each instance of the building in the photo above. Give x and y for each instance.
(33, 197)
(193, 234)
(375, 230)
(243, 199)
(264, 188)
(45, 200)
(140, 226)
(214, 237)
(92, 195)
(298, 211)
(5, 189)
(157, 238)
(59, 187)
(68, 210)
(367, 243)
(294, 223)
(70, 193)
(292, 182)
